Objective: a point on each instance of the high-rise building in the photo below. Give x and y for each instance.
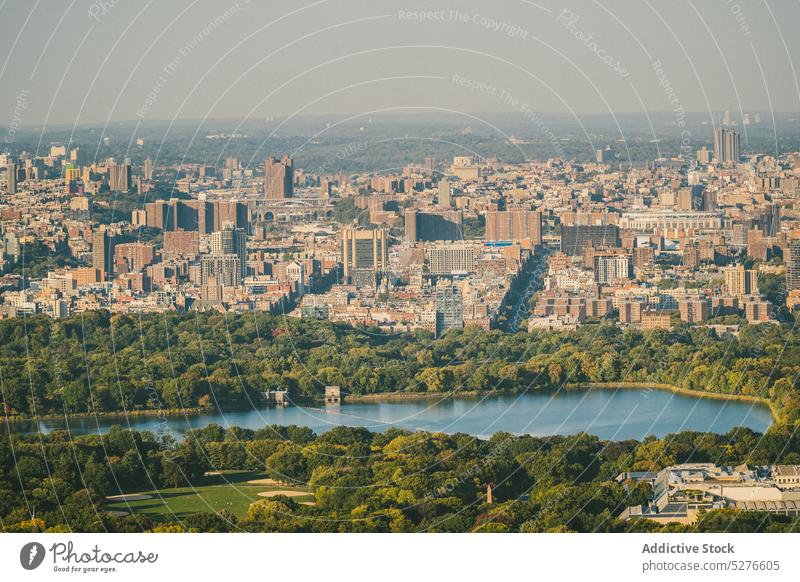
(433, 226)
(709, 201)
(694, 309)
(11, 178)
(278, 178)
(71, 177)
(685, 199)
(793, 266)
(103, 253)
(514, 225)
(604, 155)
(704, 156)
(575, 238)
(119, 175)
(226, 270)
(445, 199)
(137, 255)
(449, 309)
(741, 281)
(231, 241)
(611, 268)
(186, 243)
(363, 249)
(196, 215)
(148, 169)
(452, 258)
(228, 212)
(726, 146)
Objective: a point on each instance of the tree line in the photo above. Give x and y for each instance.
(97, 362)
(397, 481)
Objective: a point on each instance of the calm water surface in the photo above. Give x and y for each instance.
(608, 414)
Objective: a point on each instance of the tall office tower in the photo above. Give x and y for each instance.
(793, 266)
(148, 169)
(11, 178)
(719, 144)
(363, 249)
(726, 146)
(445, 199)
(103, 253)
(732, 147)
(278, 178)
(741, 281)
(433, 226)
(514, 225)
(449, 309)
(430, 165)
(231, 241)
(119, 175)
(575, 238)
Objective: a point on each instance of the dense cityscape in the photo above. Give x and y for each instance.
(440, 245)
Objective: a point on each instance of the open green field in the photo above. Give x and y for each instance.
(229, 490)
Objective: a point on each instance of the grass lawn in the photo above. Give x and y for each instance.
(229, 490)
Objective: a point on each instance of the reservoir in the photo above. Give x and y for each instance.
(608, 414)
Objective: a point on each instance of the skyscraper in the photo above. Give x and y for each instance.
(575, 238)
(741, 281)
(612, 268)
(119, 175)
(449, 309)
(103, 253)
(278, 178)
(231, 241)
(726, 146)
(148, 169)
(793, 266)
(432, 226)
(514, 225)
(445, 200)
(363, 249)
(11, 178)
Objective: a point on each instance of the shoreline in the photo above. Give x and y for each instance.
(416, 396)
(148, 412)
(677, 390)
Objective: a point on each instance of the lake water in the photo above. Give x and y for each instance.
(609, 414)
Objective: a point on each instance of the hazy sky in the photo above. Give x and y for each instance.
(82, 61)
